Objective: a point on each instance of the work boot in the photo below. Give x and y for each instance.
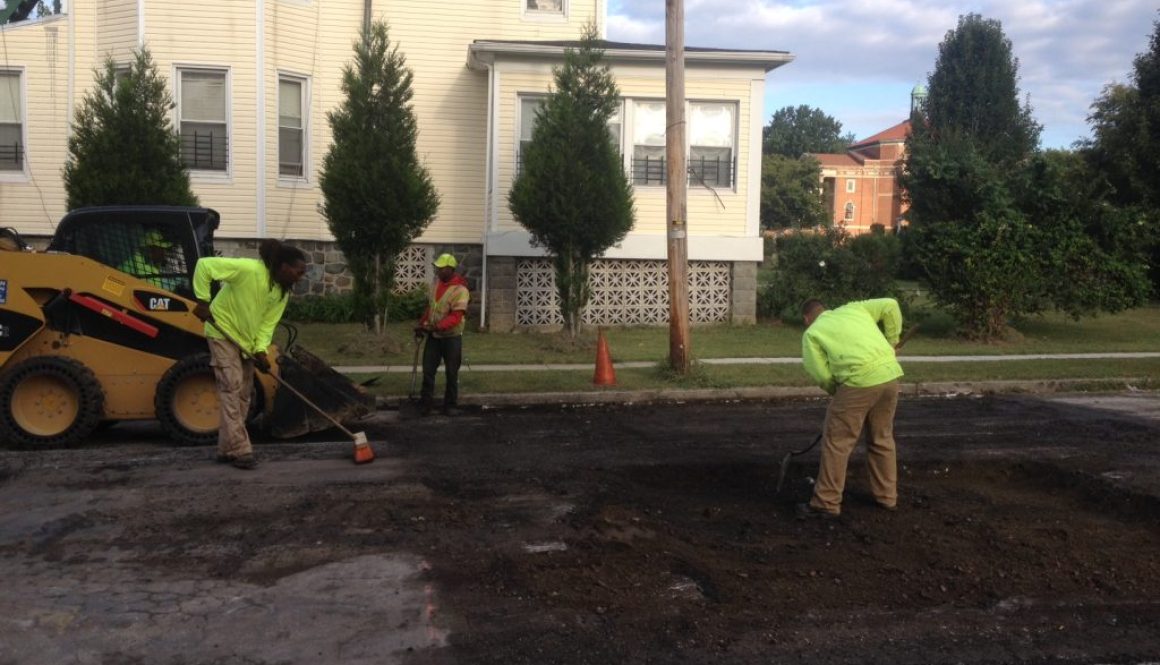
(450, 411)
(804, 511)
(224, 459)
(246, 462)
(425, 407)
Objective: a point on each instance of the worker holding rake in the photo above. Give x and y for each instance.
(240, 325)
(442, 324)
(847, 354)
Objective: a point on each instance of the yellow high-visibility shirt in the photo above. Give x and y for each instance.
(845, 347)
(249, 305)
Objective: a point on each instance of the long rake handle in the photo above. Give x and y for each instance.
(282, 382)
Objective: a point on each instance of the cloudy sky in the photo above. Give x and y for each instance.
(858, 60)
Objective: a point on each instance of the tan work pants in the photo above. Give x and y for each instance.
(235, 384)
(849, 411)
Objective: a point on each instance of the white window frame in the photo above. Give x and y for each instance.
(517, 155)
(545, 14)
(304, 92)
(851, 185)
(848, 211)
(21, 174)
(179, 70)
(628, 140)
(736, 109)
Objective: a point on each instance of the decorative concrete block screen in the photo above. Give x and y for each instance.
(623, 293)
(413, 269)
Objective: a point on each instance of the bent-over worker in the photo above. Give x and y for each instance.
(247, 309)
(846, 353)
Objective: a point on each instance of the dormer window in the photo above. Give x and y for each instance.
(545, 6)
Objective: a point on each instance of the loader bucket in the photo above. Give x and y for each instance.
(321, 384)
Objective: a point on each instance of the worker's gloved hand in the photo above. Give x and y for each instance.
(420, 331)
(201, 311)
(262, 362)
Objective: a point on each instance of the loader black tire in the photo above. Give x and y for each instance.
(49, 402)
(186, 402)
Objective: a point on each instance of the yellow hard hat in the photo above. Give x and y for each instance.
(154, 238)
(446, 261)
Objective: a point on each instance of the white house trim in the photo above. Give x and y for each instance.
(756, 124)
(481, 51)
(260, 111)
(640, 246)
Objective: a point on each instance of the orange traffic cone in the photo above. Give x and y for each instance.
(605, 374)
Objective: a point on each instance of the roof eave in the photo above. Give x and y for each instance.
(484, 53)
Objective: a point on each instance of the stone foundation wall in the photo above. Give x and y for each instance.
(327, 272)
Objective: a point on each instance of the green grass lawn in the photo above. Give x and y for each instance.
(1137, 330)
(348, 344)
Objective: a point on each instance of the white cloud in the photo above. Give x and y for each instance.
(1067, 49)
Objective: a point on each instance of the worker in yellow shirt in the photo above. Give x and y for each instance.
(846, 353)
(149, 262)
(247, 309)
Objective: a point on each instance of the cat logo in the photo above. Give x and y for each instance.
(159, 304)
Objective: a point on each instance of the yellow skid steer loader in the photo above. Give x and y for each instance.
(99, 328)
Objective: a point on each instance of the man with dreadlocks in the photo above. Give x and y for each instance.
(247, 309)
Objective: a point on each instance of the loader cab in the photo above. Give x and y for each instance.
(159, 244)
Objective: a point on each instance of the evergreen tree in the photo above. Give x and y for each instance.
(572, 193)
(124, 149)
(970, 238)
(1125, 123)
(999, 229)
(378, 197)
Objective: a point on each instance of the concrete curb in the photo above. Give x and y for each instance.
(913, 389)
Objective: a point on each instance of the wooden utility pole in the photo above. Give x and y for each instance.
(367, 16)
(676, 207)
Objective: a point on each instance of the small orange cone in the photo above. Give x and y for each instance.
(605, 374)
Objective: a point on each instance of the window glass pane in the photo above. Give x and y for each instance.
(711, 125)
(204, 145)
(528, 108)
(616, 124)
(648, 165)
(711, 166)
(289, 103)
(203, 96)
(649, 124)
(289, 151)
(10, 110)
(11, 147)
(556, 6)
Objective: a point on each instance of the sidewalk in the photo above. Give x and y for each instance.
(910, 388)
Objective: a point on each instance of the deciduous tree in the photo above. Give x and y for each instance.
(796, 130)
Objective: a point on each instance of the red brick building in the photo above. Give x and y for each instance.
(860, 187)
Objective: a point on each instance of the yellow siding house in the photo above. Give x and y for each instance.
(253, 81)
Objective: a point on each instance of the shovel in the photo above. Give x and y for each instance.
(412, 400)
(794, 453)
(363, 453)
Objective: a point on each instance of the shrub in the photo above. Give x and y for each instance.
(343, 307)
(829, 265)
(935, 322)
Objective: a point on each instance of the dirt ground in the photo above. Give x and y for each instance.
(1028, 532)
